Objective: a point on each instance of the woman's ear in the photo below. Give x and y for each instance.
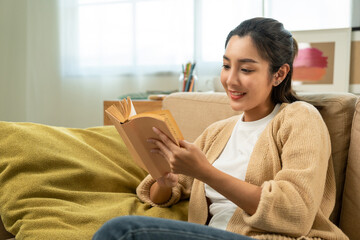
(281, 74)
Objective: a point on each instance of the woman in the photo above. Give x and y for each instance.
(261, 174)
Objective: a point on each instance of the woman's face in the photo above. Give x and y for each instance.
(246, 79)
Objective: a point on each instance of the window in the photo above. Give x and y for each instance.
(214, 20)
(310, 14)
(117, 37)
(112, 37)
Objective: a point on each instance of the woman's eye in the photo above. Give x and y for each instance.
(246, 70)
(225, 66)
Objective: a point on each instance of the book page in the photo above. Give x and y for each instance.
(132, 109)
(122, 110)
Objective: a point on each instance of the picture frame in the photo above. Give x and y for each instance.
(335, 45)
(355, 62)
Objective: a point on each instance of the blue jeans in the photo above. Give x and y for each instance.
(149, 228)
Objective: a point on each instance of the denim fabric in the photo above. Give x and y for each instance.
(149, 228)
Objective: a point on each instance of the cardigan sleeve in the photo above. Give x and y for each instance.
(290, 201)
(179, 192)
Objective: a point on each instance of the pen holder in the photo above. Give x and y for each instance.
(187, 86)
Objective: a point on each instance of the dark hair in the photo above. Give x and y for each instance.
(274, 44)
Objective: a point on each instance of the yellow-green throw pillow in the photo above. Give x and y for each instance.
(63, 183)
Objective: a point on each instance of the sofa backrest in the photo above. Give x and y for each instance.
(337, 110)
(350, 212)
(195, 111)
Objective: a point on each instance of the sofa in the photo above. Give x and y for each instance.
(64, 183)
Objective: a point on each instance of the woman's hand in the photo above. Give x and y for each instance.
(189, 160)
(169, 180)
(160, 191)
(185, 159)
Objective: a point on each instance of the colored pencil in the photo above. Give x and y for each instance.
(190, 77)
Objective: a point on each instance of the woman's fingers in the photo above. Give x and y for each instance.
(184, 144)
(158, 151)
(162, 148)
(185, 159)
(165, 139)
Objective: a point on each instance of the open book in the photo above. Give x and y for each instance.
(135, 129)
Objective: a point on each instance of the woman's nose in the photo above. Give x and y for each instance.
(233, 78)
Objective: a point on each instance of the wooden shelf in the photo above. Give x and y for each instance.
(140, 106)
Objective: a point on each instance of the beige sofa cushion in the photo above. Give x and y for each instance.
(195, 111)
(337, 110)
(350, 212)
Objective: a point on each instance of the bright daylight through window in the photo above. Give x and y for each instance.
(116, 37)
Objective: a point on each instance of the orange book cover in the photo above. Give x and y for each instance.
(135, 129)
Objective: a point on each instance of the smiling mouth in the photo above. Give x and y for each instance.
(236, 95)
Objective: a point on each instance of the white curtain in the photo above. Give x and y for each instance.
(32, 86)
(117, 37)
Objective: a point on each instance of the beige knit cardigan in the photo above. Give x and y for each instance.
(292, 163)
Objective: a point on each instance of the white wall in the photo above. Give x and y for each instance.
(355, 20)
(12, 60)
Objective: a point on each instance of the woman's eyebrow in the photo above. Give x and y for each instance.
(226, 58)
(247, 60)
(242, 60)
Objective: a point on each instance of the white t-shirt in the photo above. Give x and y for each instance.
(234, 161)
